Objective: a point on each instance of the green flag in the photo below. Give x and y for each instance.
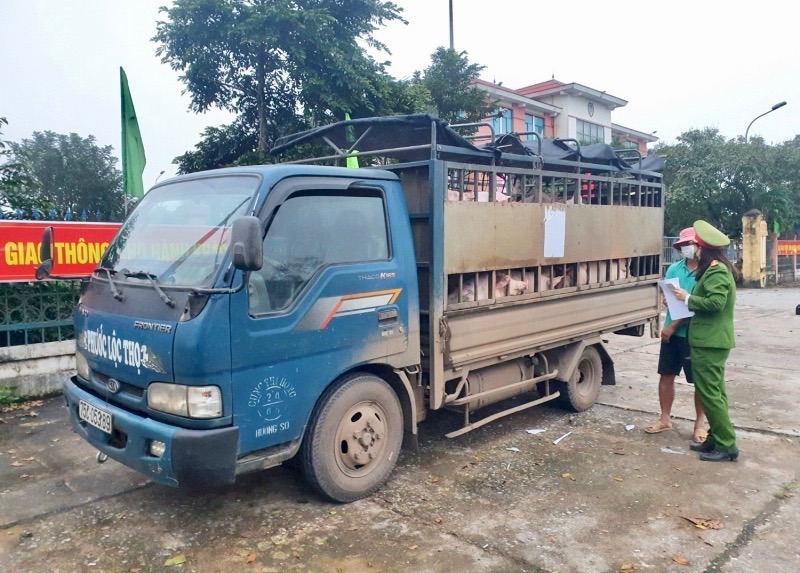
(133, 160)
(351, 162)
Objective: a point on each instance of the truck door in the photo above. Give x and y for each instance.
(328, 297)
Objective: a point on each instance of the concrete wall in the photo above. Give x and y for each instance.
(39, 369)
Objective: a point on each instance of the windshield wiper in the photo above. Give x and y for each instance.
(114, 292)
(152, 278)
(182, 259)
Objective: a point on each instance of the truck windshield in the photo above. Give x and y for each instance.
(179, 233)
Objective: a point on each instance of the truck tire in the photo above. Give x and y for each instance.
(353, 439)
(581, 391)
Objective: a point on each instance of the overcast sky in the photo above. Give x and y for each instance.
(680, 64)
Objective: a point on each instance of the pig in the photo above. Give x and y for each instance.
(453, 195)
(619, 269)
(592, 272)
(544, 281)
(504, 286)
(468, 290)
(546, 284)
(519, 286)
(507, 285)
(516, 287)
(549, 198)
(499, 197)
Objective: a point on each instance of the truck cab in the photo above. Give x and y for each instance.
(192, 370)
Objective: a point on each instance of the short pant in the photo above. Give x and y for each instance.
(674, 356)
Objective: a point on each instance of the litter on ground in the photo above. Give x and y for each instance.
(555, 442)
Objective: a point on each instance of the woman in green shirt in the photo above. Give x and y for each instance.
(674, 354)
(711, 339)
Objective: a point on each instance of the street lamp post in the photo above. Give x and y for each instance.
(774, 107)
(452, 44)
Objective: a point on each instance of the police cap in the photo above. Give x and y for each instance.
(709, 236)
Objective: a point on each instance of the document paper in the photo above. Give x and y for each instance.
(555, 231)
(677, 308)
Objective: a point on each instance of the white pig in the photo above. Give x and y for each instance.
(619, 269)
(544, 282)
(592, 273)
(504, 286)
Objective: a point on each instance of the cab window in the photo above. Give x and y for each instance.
(309, 232)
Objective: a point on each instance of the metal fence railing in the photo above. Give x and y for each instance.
(788, 269)
(669, 254)
(32, 313)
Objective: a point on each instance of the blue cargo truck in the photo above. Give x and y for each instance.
(246, 316)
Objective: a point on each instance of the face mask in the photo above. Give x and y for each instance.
(688, 251)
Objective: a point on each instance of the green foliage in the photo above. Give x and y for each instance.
(448, 80)
(13, 180)
(709, 177)
(3, 144)
(617, 143)
(220, 147)
(7, 395)
(272, 61)
(51, 173)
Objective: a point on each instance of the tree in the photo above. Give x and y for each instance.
(273, 59)
(709, 177)
(237, 142)
(220, 147)
(14, 182)
(449, 81)
(56, 174)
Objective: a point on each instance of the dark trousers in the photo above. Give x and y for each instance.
(708, 368)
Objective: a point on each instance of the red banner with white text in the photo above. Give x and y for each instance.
(788, 247)
(77, 247)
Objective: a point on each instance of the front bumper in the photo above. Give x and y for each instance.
(191, 457)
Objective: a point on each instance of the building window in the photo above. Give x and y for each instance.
(631, 144)
(590, 132)
(533, 124)
(501, 121)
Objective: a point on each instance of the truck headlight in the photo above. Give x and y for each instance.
(204, 402)
(187, 401)
(81, 366)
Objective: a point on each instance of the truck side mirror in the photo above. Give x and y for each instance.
(45, 255)
(247, 245)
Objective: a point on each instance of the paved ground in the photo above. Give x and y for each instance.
(604, 499)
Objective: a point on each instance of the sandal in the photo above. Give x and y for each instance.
(700, 435)
(657, 427)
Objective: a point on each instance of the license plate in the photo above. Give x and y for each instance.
(98, 418)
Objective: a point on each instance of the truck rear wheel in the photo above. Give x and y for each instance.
(581, 391)
(353, 439)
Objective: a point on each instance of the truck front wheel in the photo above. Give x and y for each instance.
(581, 391)
(353, 439)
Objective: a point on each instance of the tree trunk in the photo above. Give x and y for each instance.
(262, 120)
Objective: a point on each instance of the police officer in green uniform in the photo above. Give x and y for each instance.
(711, 338)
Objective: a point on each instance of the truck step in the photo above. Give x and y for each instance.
(493, 417)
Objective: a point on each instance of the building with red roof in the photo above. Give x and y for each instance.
(554, 109)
